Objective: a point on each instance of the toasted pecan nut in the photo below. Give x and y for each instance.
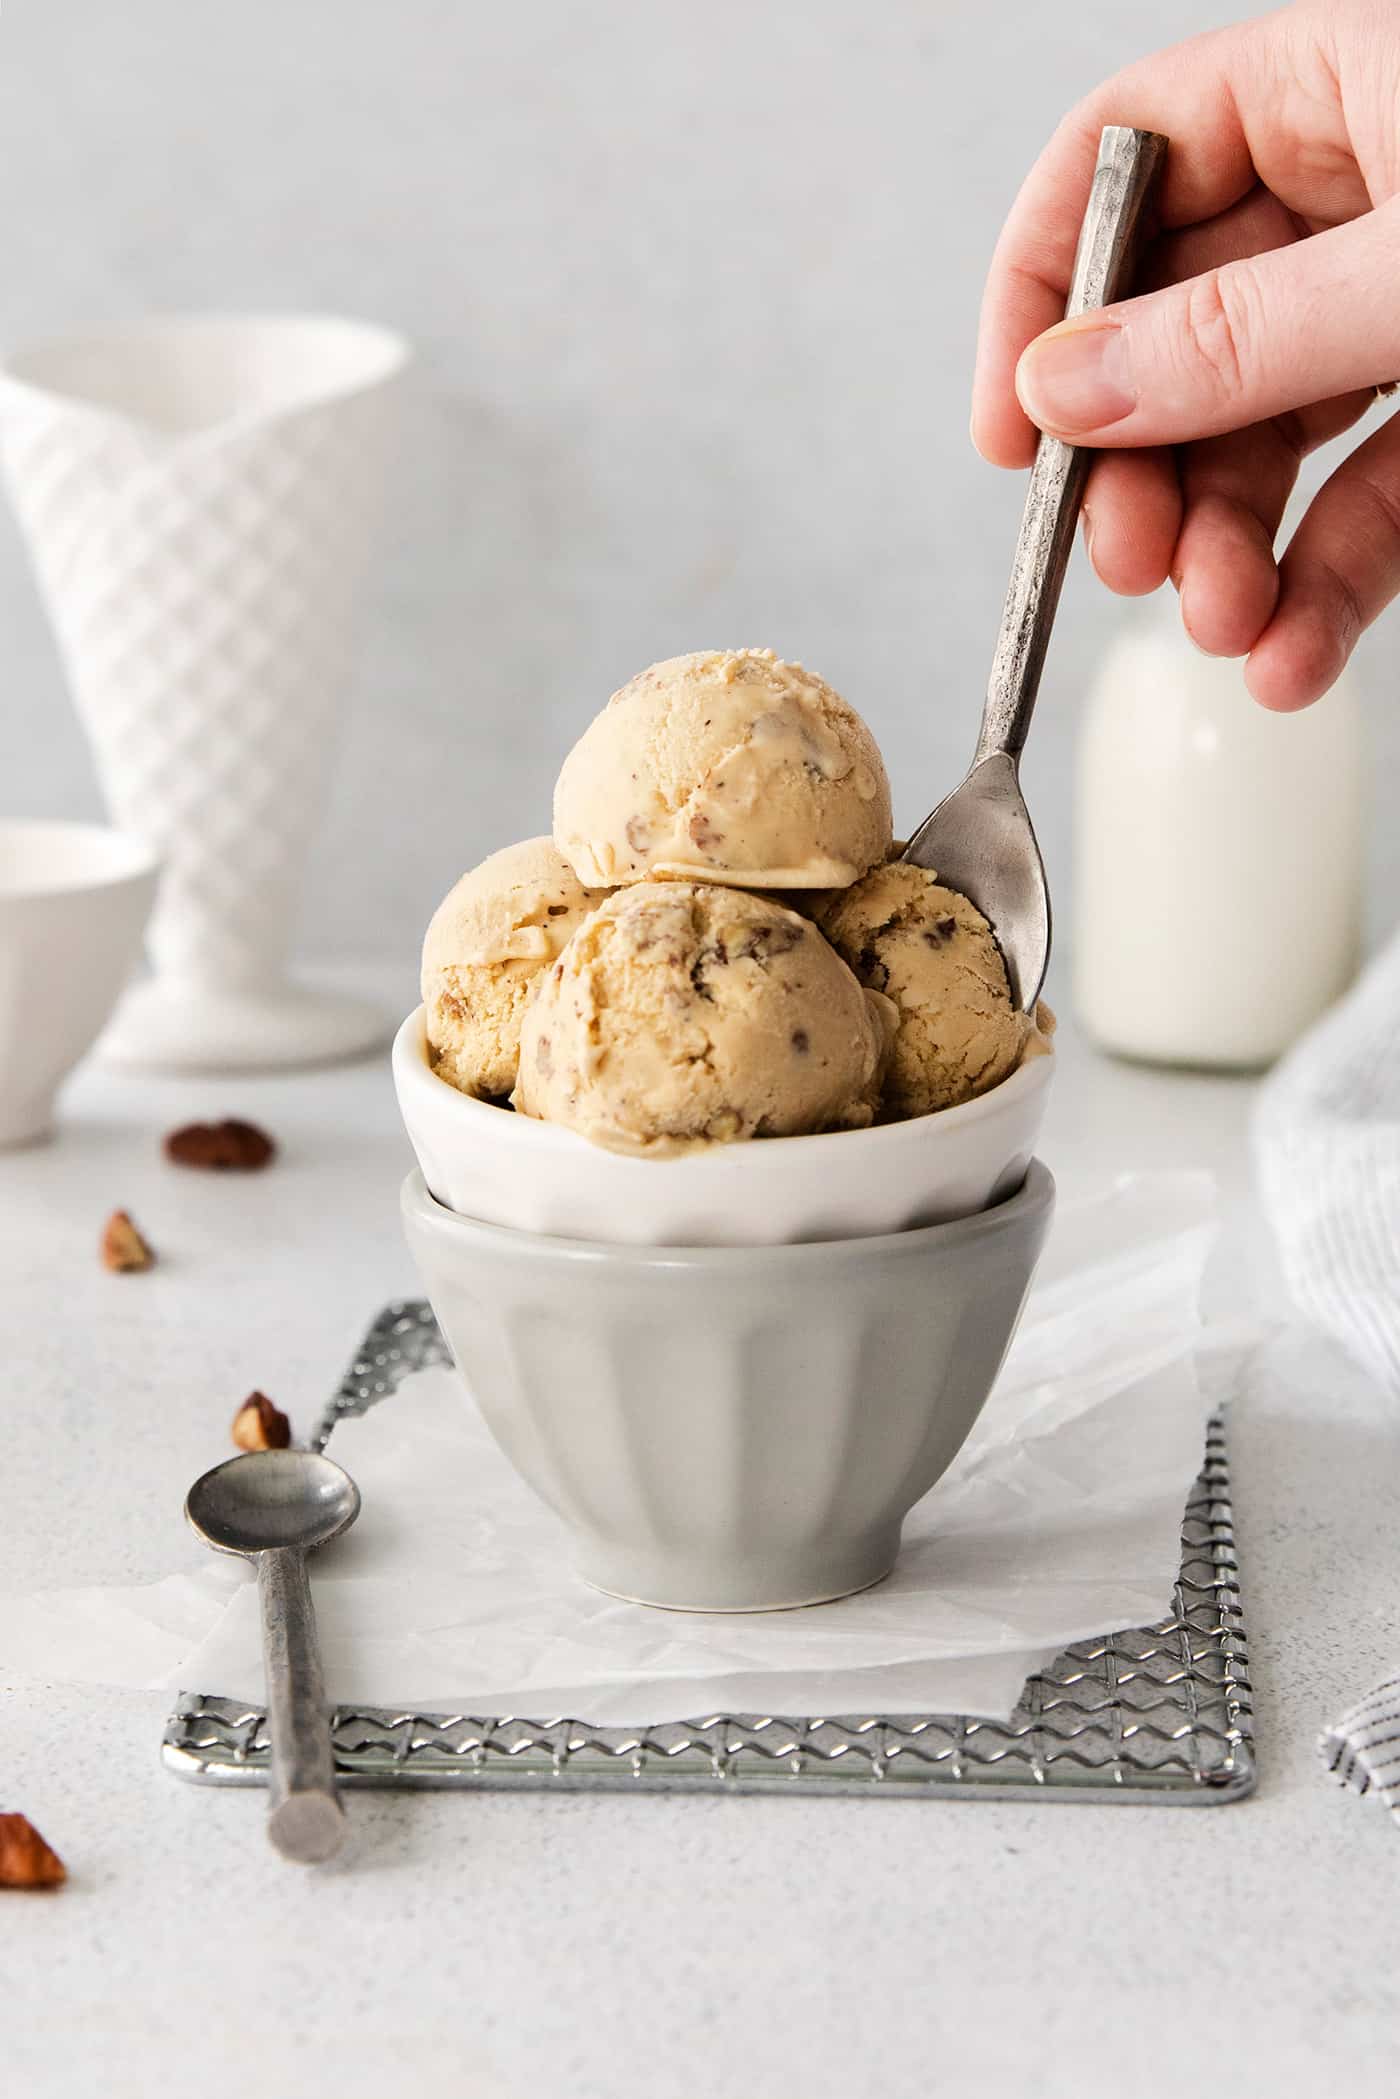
(221, 1147)
(259, 1425)
(26, 1861)
(125, 1249)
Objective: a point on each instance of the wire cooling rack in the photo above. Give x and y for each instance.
(1159, 1713)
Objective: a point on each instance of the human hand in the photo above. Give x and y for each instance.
(1275, 318)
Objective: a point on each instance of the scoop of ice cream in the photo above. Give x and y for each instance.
(929, 950)
(730, 767)
(490, 941)
(682, 1013)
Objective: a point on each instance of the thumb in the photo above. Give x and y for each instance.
(1216, 352)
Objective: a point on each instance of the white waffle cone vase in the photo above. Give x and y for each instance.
(199, 495)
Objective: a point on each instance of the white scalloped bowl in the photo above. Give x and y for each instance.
(505, 1169)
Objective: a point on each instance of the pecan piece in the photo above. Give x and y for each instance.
(259, 1425)
(873, 973)
(124, 1248)
(220, 1147)
(26, 1861)
(763, 942)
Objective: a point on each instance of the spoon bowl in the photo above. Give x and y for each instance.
(272, 1498)
(980, 841)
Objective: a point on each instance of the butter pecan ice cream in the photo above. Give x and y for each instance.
(930, 951)
(683, 1013)
(729, 766)
(490, 941)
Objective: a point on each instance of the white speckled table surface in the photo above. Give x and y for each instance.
(611, 1946)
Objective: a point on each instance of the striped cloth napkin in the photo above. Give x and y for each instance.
(1362, 1749)
(1327, 1145)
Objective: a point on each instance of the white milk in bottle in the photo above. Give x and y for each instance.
(1219, 856)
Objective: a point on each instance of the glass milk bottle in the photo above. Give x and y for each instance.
(1219, 856)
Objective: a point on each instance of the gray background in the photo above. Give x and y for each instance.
(694, 291)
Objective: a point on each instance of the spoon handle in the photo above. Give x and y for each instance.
(1128, 166)
(306, 1820)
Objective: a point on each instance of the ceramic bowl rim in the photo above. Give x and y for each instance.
(1033, 1198)
(114, 858)
(409, 1058)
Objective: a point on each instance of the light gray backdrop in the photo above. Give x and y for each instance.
(694, 290)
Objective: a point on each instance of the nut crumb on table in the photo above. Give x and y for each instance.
(259, 1425)
(26, 1861)
(125, 1248)
(230, 1146)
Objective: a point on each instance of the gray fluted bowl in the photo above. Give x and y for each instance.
(731, 1429)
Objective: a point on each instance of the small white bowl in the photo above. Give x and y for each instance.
(74, 900)
(504, 1169)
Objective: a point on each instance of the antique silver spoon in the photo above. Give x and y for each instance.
(980, 840)
(274, 1506)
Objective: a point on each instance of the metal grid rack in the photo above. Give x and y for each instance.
(1157, 1714)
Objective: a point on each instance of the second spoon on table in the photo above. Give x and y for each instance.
(273, 1506)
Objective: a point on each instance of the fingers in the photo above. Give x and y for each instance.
(1222, 506)
(1221, 524)
(1339, 574)
(1226, 575)
(1237, 488)
(1132, 516)
(1190, 94)
(1235, 491)
(1253, 226)
(1259, 336)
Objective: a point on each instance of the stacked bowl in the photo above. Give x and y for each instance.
(730, 1367)
(732, 1375)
